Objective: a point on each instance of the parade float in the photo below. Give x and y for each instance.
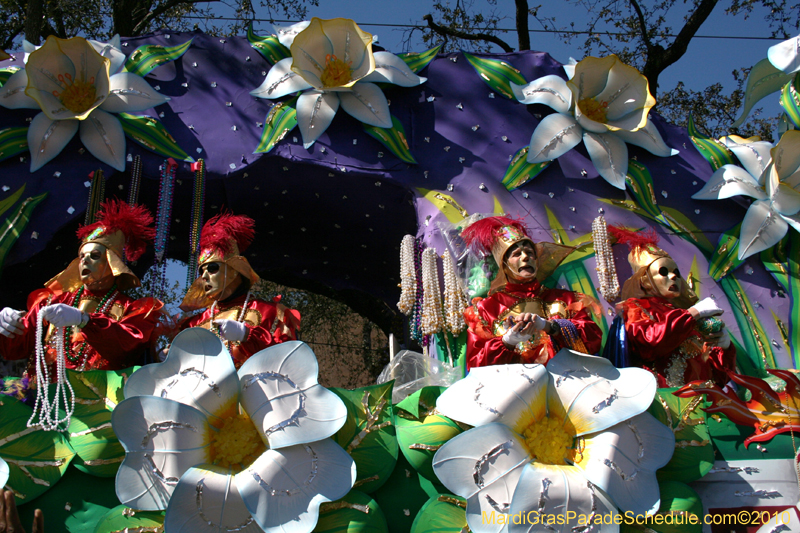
(349, 157)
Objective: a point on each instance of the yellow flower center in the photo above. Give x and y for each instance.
(237, 444)
(547, 441)
(597, 111)
(337, 73)
(78, 96)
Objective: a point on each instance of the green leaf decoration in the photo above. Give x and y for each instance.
(678, 502)
(757, 349)
(13, 141)
(421, 431)
(36, 459)
(123, 519)
(151, 133)
(763, 80)
(712, 150)
(355, 513)
(725, 257)
(694, 455)
(16, 223)
(269, 47)
(685, 228)
(640, 184)
(369, 434)
(393, 138)
(146, 58)
(281, 119)
(790, 100)
(782, 262)
(497, 74)
(520, 172)
(452, 349)
(403, 496)
(417, 61)
(97, 392)
(443, 513)
(6, 73)
(6, 203)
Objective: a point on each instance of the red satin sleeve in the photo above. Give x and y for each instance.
(655, 330)
(485, 352)
(21, 346)
(117, 340)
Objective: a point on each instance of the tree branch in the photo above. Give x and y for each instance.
(642, 24)
(160, 10)
(441, 30)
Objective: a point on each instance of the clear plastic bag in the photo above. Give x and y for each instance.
(413, 370)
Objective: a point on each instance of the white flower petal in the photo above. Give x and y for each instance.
(46, 138)
(785, 56)
(286, 34)
(793, 221)
(648, 138)
(129, 93)
(754, 157)
(162, 440)
(482, 465)
(207, 500)
(593, 76)
(350, 43)
(626, 93)
(111, 50)
(553, 494)
(594, 394)
(198, 372)
(281, 396)
(785, 200)
(4, 472)
(555, 135)
(623, 459)
(762, 228)
(12, 94)
(315, 111)
(569, 67)
(783, 522)
(280, 81)
(609, 154)
(728, 181)
(391, 69)
(367, 103)
(102, 135)
(284, 488)
(786, 158)
(548, 90)
(500, 393)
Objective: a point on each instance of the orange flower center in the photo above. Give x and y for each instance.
(237, 444)
(597, 111)
(78, 96)
(336, 73)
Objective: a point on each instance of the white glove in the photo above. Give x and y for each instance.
(724, 340)
(11, 322)
(231, 330)
(539, 323)
(63, 315)
(706, 307)
(512, 338)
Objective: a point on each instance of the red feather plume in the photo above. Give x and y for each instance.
(634, 239)
(219, 230)
(482, 234)
(135, 221)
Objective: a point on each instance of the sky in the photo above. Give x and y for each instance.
(707, 61)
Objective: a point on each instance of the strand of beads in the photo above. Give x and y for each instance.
(408, 279)
(163, 219)
(103, 307)
(606, 269)
(432, 316)
(416, 313)
(198, 200)
(243, 313)
(136, 180)
(454, 300)
(96, 195)
(47, 410)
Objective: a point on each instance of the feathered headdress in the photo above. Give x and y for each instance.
(222, 240)
(124, 230)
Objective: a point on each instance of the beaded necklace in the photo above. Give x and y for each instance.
(103, 307)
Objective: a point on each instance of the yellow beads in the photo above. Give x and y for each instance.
(597, 111)
(237, 444)
(547, 441)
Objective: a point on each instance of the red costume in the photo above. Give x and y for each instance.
(485, 318)
(665, 340)
(111, 340)
(266, 324)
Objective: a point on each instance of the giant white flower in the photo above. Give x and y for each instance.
(77, 85)
(553, 444)
(223, 451)
(771, 175)
(332, 63)
(785, 56)
(604, 104)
